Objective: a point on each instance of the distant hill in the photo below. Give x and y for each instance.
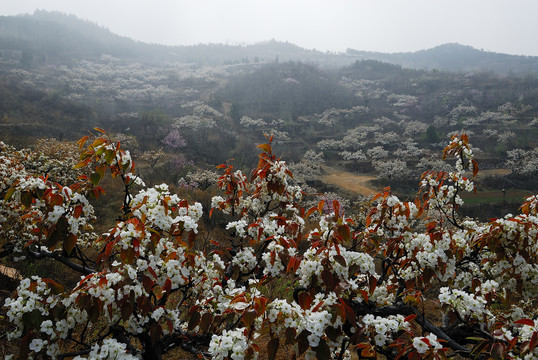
(456, 57)
(50, 37)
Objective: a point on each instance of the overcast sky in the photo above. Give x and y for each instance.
(507, 26)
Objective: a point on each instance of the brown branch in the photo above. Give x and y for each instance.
(59, 257)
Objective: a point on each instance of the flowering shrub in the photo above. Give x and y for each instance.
(353, 288)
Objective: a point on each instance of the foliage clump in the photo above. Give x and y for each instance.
(360, 288)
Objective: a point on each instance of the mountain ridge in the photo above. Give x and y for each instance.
(53, 36)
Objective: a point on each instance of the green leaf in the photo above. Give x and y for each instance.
(100, 151)
(81, 165)
(9, 193)
(32, 319)
(110, 155)
(95, 178)
(58, 311)
(474, 338)
(39, 193)
(58, 233)
(26, 198)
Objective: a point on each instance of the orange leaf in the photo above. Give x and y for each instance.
(82, 141)
(310, 212)
(265, 147)
(320, 206)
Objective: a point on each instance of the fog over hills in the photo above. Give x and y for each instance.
(50, 37)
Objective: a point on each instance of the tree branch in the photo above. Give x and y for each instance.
(64, 260)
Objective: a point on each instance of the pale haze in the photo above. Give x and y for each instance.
(505, 26)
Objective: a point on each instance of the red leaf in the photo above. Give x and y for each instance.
(153, 273)
(194, 320)
(249, 316)
(528, 322)
(327, 278)
(304, 300)
(168, 286)
(350, 314)
(147, 283)
(207, 320)
(373, 284)
(136, 246)
(77, 212)
(475, 168)
(316, 308)
(364, 295)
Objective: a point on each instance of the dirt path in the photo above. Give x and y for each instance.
(359, 184)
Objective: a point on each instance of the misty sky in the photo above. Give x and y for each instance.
(507, 26)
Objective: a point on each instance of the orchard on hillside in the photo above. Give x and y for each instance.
(355, 286)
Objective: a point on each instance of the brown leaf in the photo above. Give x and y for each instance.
(272, 348)
(194, 320)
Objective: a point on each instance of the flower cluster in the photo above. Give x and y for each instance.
(230, 344)
(110, 349)
(155, 286)
(384, 328)
(465, 304)
(423, 344)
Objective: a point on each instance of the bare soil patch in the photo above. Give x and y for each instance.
(359, 184)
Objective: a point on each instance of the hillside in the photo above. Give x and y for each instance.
(456, 57)
(50, 37)
(183, 109)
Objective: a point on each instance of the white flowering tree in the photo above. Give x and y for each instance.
(152, 289)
